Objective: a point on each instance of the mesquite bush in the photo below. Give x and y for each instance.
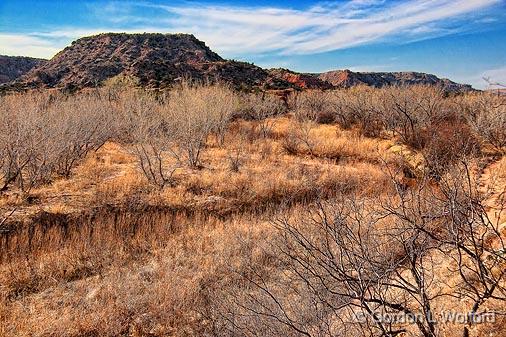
(46, 135)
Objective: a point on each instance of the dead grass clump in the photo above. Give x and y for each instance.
(166, 292)
(331, 142)
(119, 189)
(287, 184)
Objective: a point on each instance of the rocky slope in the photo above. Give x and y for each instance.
(12, 67)
(347, 78)
(301, 80)
(154, 60)
(159, 60)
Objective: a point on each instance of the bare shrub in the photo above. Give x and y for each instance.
(196, 111)
(309, 108)
(408, 111)
(46, 135)
(261, 108)
(291, 143)
(447, 143)
(223, 104)
(17, 130)
(236, 151)
(339, 110)
(171, 129)
(311, 105)
(486, 114)
(341, 267)
(355, 106)
(360, 106)
(426, 121)
(235, 159)
(81, 124)
(154, 141)
(300, 135)
(120, 82)
(454, 215)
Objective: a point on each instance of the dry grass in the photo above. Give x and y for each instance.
(105, 252)
(162, 293)
(111, 175)
(153, 282)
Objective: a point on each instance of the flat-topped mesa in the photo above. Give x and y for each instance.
(154, 59)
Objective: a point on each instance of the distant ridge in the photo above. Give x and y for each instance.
(12, 67)
(159, 60)
(347, 78)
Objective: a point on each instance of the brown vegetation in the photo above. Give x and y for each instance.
(204, 212)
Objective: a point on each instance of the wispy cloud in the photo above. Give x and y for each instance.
(27, 45)
(236, 31)
(326, 27)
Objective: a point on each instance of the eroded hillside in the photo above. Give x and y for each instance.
(152, 60)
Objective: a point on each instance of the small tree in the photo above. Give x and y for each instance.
(154, 143)
(487, 117)
(195, 112)
(261, 108)
(344, 267)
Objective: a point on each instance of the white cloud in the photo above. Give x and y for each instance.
(27, 45)
(236, 31)
(322, 28)
(47, 44)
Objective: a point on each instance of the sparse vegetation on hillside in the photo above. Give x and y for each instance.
(157, 60)
(201, 211)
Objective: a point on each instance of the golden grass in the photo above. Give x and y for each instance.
(266, 174)
(114, 256)
(161, 293)
(268, 177)
(333, 142)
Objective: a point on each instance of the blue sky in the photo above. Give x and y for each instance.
(464, 40)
